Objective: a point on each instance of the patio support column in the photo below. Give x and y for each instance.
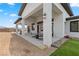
(47, 24)
(23, 26)
(17, 28)
(36, 28)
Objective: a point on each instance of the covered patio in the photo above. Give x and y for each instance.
(44, 25)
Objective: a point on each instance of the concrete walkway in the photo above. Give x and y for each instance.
(11, 44)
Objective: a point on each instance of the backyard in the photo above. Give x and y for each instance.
(69, 48)
(14, 45)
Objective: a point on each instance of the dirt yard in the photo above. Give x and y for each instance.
(5, 38)
(11, 44)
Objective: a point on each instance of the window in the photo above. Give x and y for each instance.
(33, 26)
(40, 23)
(74, 26)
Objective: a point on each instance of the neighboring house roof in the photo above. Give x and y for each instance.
(67, 8)
(19, 19)
(72, 18)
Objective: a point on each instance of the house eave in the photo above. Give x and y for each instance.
(22, 9)
(19, 19)
(72, 18)
(67, 8)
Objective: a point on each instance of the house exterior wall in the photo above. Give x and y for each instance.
(58, 27)
(16, 28)
(33, 6)
(59, 17)
(65, 15)
(59, 20)
(72, 34)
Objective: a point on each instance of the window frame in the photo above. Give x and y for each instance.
(77, 26)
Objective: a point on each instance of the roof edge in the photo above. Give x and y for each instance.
(72, 18)
(22, 9)
(67, 8)
(19, 19)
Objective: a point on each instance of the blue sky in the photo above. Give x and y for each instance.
(9, 14)
(75, 8)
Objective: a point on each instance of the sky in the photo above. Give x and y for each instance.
(75, 8)
(9, 14)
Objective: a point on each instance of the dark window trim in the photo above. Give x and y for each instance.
(52, 20)
(72, 18)
(39, 22)
(71, 26)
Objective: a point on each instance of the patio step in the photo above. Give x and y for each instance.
(43, 47)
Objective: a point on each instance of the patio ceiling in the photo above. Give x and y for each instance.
(56, 9)
(37, 14)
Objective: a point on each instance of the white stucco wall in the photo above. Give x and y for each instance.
(65, 15)
(67, 27)
(72, 34)
(59, 17)
(58, 26)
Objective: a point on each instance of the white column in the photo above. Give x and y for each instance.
(63, 24)
(47, 24)
(17, 28)
(23, 26)
(36, 28)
